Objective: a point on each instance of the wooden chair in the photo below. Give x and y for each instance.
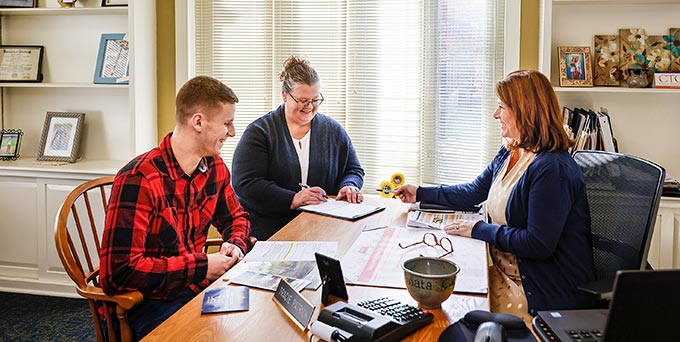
(79, 226)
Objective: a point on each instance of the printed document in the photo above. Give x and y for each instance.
(294, 259)
(420, 219)
(375, 258)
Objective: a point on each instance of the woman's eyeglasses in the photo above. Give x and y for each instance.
(431, 240)
(313, 102)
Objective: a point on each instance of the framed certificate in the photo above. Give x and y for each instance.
(21, 63)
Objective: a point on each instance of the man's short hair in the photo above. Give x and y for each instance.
(201, 94)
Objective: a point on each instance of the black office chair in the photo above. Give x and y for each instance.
(623, 193)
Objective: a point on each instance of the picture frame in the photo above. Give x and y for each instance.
(10, 143)
(60, 138)
(575, 66)
(113, 59)
(106, 3)
(21, 63)
(19, 3)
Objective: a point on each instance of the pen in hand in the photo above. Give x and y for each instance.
(305, 186)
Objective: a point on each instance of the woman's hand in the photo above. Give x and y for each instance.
(351, 194)
(407, 193)
(312, 195)
(461, 227)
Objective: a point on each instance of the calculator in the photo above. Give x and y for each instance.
(381, 319)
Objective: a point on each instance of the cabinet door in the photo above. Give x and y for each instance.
(19, 220)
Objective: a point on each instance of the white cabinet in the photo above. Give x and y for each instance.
(645, 121)
(120, 122)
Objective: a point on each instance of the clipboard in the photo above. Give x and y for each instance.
(342, 210)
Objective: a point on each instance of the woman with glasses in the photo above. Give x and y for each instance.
(294, 155)
(536, 197)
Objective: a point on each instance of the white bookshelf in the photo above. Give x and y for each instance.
(644, 121)
(120, 122)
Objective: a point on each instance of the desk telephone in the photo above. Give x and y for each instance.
(381, 319)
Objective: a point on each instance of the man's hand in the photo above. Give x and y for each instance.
(218, 264)
(231, 250)
(351, 194)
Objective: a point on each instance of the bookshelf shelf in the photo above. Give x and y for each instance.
(617, 90)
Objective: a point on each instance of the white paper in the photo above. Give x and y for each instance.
(290, 250)
(375, 258)
(267, 281)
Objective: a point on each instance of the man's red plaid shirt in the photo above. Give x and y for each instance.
(157, 223)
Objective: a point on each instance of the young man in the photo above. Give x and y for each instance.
(162, 204)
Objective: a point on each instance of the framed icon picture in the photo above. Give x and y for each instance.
(575, 66)
(60, 139)
(113, 59)
(10, 143)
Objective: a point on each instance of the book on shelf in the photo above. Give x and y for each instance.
(591, 130)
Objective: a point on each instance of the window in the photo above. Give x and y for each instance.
(411, 81)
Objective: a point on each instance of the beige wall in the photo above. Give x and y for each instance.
(165, 34)
(528, 49)
(165, 52)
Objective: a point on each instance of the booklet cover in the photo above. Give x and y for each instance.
(226, 299)
(420, 219)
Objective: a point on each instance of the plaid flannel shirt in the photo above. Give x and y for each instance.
(157, 224)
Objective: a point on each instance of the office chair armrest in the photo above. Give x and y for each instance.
(126, 300)
(602, 288)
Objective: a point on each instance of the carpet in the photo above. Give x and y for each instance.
(25, 317)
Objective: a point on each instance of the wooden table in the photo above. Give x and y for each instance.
(265, 321)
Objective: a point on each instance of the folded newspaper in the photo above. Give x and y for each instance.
(429, 220)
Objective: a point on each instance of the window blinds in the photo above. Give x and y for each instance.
(411, 81)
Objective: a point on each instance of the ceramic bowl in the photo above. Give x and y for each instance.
(430, 281)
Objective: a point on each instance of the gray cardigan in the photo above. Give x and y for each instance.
(266, 168)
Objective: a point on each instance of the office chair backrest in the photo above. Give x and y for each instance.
(79, 226)
(623, 194)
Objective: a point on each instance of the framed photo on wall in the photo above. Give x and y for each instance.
(113, 59)
(575, 66)
(60, 139)
(10, 143)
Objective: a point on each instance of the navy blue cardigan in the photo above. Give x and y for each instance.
(548, 227)
(266, 169)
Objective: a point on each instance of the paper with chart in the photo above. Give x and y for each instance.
(342, 209)
(294, 259)
(375, 258)
(430, 220)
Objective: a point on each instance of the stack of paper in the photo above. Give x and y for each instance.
(429, 220)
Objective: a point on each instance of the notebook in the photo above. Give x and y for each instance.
(644, 307)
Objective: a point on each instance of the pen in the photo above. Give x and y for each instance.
(387, 191)
(367, 229)
(305, 186)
